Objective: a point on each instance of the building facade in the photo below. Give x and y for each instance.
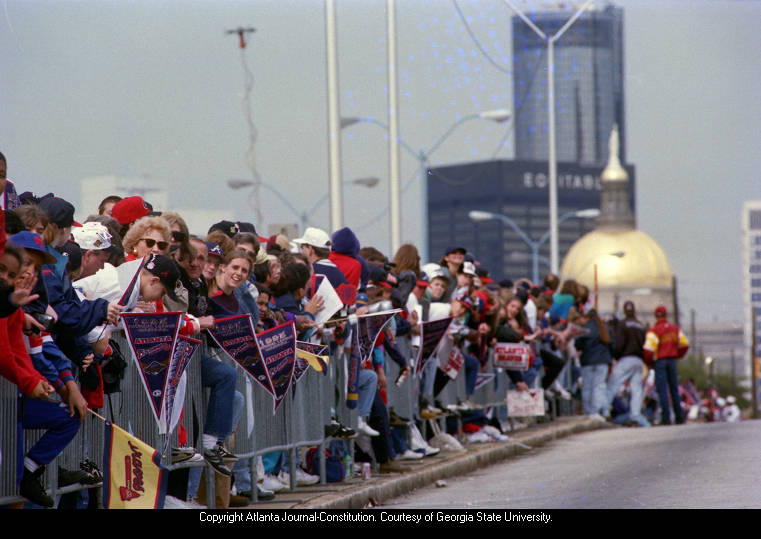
(589, 85)
(518, 190)
(751, 275)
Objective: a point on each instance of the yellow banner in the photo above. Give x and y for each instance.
(134, 477)
(318, 363)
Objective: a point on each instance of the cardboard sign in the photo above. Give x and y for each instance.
(511, 356)
(525, 403)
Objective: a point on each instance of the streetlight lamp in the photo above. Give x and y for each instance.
(304, 216)
(553, 165)
(422, 156)
(478, 215)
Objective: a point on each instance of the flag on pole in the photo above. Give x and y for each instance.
(134, 477)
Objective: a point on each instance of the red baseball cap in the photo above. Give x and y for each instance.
(130, 209)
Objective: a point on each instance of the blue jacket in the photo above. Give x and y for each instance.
(593, 350)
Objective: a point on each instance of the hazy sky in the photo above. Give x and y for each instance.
(155, 88)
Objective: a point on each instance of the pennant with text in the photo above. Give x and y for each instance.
(236, 336)
(184, 349)
(152, 337)
(277, 347)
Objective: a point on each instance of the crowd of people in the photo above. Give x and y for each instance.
(62, 293)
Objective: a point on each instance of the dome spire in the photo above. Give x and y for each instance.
(613, 170)
(615, 211)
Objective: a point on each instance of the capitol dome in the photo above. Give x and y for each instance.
(624, 258)
(629, 263)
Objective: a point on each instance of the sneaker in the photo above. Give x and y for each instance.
(392, 466)
(31, 488)
(214, 458)
(270, 482)
(431, 451)
(95, 476)
(364, 428)
(225, 454)
(302, 478)
(185, 454)
(262, 495)
(336, 430)
(71, 477)
(410, 455)
(427, 413)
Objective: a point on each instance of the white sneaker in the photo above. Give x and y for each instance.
(410, 455)
(364, 428)
(431, 451)
(302, 478)
(270, 482)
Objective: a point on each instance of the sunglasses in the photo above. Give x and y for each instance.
(178, 236)
(151, 242)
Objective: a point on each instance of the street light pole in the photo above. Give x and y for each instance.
(334, 121)
(394, 187)
(552, 165)
(477, 215)
(422, 157)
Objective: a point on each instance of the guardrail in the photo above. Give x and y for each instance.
(299, 421)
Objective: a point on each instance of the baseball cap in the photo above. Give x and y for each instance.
(314, 237)
(31, 241)
(91, 236)
(73, 253)
(453, 248)
(660, 310)
(130, 209)
(214, 249)
(228, 227)
(166, 270)
(58, 211)
(469, 268)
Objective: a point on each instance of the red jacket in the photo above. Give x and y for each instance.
(15, 363)
(663, 341)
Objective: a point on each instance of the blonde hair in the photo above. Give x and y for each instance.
(141, 226)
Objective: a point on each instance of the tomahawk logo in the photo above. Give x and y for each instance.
(133, 475)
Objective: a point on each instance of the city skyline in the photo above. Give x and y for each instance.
(146, 88)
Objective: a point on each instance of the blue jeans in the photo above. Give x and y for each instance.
(472, 366)
(627, 368)
(666, 384)
(221, 378)
(593, 389)
(366, 388)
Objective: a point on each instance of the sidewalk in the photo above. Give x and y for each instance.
(356, 493)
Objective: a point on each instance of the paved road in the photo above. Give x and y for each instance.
(702, 465)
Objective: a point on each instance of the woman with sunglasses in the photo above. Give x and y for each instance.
(179, 232)
(148, 235)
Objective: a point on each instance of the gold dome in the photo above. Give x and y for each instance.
(624, 258)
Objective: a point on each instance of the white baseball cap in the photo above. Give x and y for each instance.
(315, 237)
(91, 236)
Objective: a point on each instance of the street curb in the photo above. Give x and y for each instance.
(384, 488)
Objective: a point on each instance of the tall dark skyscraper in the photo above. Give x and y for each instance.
(589, 85)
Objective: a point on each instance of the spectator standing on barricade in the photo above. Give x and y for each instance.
(453, 258)
(629, 339)
(665, 343)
